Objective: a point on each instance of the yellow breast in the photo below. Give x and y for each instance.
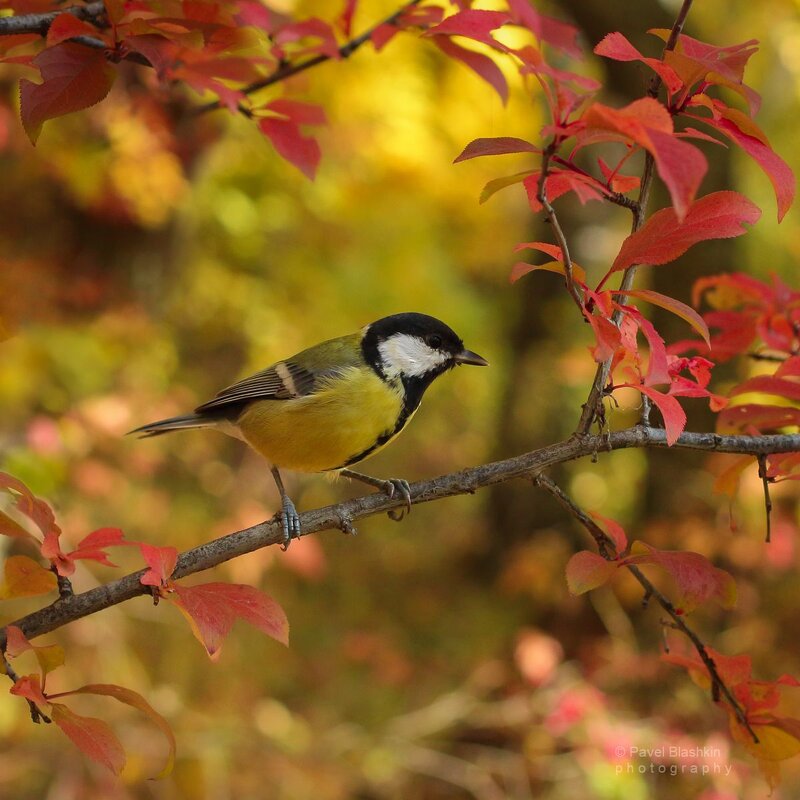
(343, 419)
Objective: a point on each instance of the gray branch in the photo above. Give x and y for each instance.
(40, 23)
(342, 515)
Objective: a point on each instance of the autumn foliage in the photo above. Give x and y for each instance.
(234, 57)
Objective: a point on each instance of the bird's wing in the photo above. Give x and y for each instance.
(282, 381)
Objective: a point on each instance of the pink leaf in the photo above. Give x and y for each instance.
(546, 29)
(587, 571)
(671, 412)
(615, 46)
(613, 530)
(767, 384)
(301, 151)
(685, 312)
(472, 24)
(664, 237)
(211, 609)
(480, 64)
(648, 123)
(698, 579)
(496, 146)
(93, 737)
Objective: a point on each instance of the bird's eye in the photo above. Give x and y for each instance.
(434, 341)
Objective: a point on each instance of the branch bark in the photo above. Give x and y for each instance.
(341, 516)
(40, 23)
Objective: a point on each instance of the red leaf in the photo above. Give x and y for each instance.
(698, 579)
(671, 304)
(615, 46)
(382, 35)
(767, 384)
(664, 237)
(496, 146)
(29, 687)
(473, 24)
(739, 418)
(480, 64)
(647, 123)
(301, 151)
(161, 560)
(211, 609)
(66, 26)
(743, 131)
(299, 112)
(546, 29)
(607, 337)
(671, 412)
(74, 77)
(613, 530)
(345, 19)
(135, 700)
(617, 182)
(91, 546)
(587, 571)
(93, 737)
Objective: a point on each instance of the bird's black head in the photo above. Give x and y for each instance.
(415, 348)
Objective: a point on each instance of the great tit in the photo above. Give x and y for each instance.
(334, 404)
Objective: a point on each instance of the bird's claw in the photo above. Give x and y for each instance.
(290, 522)
(398, 486)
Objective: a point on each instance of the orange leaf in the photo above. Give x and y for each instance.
(212, 608)
(161, 560)
(31, 506)
(30, 688)
(93, 737)
(24, 577)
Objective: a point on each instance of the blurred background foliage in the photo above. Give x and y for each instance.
(150, 256)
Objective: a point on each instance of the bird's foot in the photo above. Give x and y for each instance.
(290, 522)
(397, 487)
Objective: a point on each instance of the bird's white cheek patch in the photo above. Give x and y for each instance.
(402, 354)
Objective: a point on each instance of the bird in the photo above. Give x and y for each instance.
(334, 404)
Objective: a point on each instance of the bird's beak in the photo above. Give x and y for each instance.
(468, 357)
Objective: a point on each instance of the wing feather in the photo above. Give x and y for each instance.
(282, 381)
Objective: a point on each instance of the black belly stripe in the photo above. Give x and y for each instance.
(413, 389)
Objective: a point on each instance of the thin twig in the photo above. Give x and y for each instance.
(285, 71)
(606, 549)
(550, 213)
(466, 481)
(639, 210)
(762, 473)
(40, 23)
(37, 715)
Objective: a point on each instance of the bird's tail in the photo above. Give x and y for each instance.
(172, 424)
